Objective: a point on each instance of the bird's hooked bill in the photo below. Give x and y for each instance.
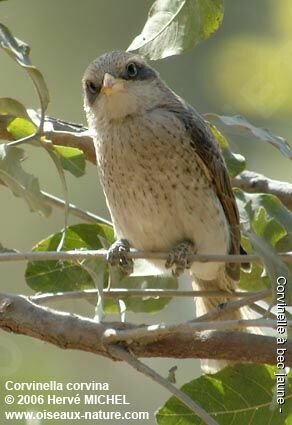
(112, 85)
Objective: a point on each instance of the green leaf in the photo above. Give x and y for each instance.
(267, 228)
(139, 304)
(235, 162)
(15, 119)
(240, 394)
(266, 222)
(55, 276)
(21, 127)
(19, 51)
(21, 183)
(12, 107)
(259, 133)
(176, 26)
(274, 266)
(72, 159)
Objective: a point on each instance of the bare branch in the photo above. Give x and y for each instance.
(155, 332)
(128, 357)
(86, 216)
(19, 315)
(257, 183)
(124, 293)
(262, 311)
(101, 254)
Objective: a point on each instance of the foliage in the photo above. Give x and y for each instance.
(239, 394)
(262, 134)
(56, 276)
(176, 26)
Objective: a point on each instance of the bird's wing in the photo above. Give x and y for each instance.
(208, 152)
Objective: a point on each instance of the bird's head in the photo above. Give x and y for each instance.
(120, 84)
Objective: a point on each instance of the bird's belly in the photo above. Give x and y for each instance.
(156, 211)
(160, 196)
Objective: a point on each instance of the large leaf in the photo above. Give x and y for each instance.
(259, 133)
(176, 26)
(238, 395)
(266, 222)
(21, 183)
(19, 51)
(55, 276)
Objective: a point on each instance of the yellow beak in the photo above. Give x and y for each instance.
(112, 85)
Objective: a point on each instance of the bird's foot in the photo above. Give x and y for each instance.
(179, 257)
(117, 256)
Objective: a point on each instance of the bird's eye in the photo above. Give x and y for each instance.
(132, 70)
(92, 87)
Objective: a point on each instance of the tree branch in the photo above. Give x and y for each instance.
(252, 182)
(20, 315)
(124, 293)
(101, 254)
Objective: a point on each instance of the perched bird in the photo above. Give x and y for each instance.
(163, 175)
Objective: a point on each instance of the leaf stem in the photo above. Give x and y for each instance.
(128, 357)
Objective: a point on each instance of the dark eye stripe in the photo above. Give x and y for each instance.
(143, 72)
(92, 90)
(92, 87)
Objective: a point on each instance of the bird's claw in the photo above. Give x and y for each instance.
(117, 256)
(179, 257)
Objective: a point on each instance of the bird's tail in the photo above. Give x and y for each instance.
(204, 305)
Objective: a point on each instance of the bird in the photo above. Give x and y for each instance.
(164, 178)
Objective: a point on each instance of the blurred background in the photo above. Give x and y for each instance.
(245, 68)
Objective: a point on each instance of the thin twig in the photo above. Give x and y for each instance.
(162, 330)
(231, 306)
(24, 140)
(101, 254)
(73, 209)
(124, 293)
(123, 354)
(262, 311)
